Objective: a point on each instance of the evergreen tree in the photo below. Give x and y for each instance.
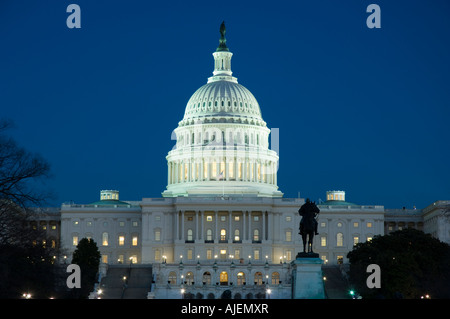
(87, 256)
(412, 265)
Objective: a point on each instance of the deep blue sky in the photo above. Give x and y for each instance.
(362, 110)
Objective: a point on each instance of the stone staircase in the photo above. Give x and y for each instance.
(136, 285)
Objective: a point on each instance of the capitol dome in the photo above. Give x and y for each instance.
(223, 101)
(222, 142)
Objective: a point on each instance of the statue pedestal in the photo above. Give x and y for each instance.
(307, 280)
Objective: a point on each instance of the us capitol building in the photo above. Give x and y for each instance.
(222, 225)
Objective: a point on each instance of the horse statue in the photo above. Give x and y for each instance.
(308, 226)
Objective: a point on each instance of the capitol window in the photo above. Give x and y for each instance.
(369, 225)
(105, 239)
(339, 239)
(121, 240)
(275, 278)
(256, 254)
(256, 235)
(236, 235)
(323, 241)
(258, 278)
(172, 279)
(240, 278)
(74, 240)
(209, 218)
(134, 241)
(157, 235)
(207, 278)
(190, 236)
(288, 235)
(223, 235)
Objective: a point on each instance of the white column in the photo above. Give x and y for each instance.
(182, 225)
(216, 233)
(250, 226)
(189, 171)
(200, 232)
(208, 168)
(201, 175)
(182, 171)
(263, 235)
(145, 225)
(168, 173)
(244, 230)
(275, 173)
(227, 171)
(270, 226)
(230, 233)
(177, 226)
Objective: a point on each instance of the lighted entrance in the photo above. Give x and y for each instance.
(224, 278)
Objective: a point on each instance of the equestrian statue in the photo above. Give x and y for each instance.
(308, 227)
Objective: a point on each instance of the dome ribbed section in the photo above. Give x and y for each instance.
(222, 98)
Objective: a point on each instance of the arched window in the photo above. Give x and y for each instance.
(275, 278)
(240, 278)
(209, 235)
(258, 278)
(206, 278)
(189, 278)
(105, 239)
(190, 236)
(172, 280)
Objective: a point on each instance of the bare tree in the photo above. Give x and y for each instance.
(20, 172)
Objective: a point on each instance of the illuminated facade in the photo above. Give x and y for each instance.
(222, 225)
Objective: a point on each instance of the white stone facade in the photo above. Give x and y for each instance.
(222, 225)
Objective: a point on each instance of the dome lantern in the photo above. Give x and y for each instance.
(222, 60)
